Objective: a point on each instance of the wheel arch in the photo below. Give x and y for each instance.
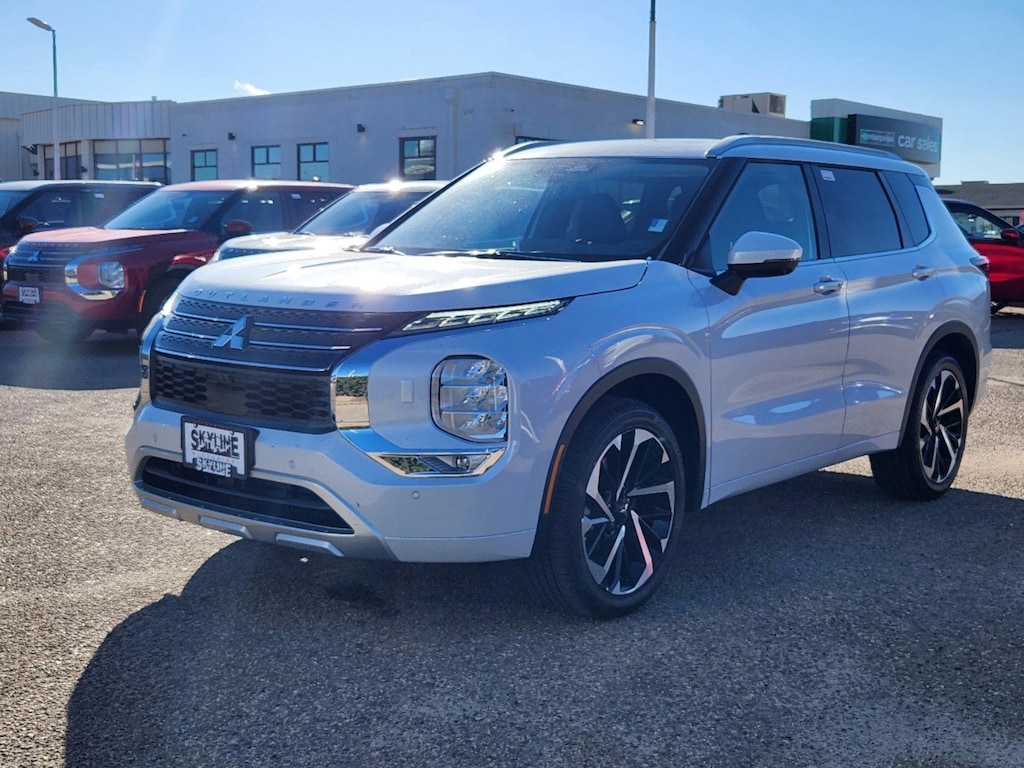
(957, 340)
(667, 389)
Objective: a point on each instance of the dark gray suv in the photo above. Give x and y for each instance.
(560, 354)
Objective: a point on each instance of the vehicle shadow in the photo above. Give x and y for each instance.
(815, 622)
(1008, 329)
(103, 361)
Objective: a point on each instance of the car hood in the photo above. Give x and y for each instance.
(287, 241)
(85, 236)
(371, 282)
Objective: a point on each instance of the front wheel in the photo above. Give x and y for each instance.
(927, 460)
(613, 524)
(156, 294)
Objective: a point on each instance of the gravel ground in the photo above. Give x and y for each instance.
(814, 623)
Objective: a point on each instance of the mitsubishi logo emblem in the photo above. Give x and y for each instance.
(237, 336)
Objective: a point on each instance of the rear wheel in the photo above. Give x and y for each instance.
(927, 460)
(613, 525)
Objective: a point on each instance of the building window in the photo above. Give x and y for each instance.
(266, 162)
(313, 165)
(132, 159)
(418, 157)
(70, 160)
(204, 164)
(155, 163)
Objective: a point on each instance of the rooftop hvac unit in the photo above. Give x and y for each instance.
(773, 104)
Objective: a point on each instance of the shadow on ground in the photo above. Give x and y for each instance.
(817, 622)
(103, 361)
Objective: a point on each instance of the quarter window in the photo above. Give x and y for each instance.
(909, 203)
(313, 162)
(204, 165)
(768, 197)
(419, 158)
(266, 162)
(858, 213)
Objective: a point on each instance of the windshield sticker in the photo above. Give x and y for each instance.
(827, 175)
(658, 225)
(99, 195)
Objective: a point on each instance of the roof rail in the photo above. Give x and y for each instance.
(734, 142)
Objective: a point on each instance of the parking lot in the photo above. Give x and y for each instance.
(814, 623)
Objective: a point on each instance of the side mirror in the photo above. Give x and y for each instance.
(758, 254)
(27, 225)
(237, 228)
(1012, 235)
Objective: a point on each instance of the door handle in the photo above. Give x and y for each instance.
(828, 285)
(921, 272)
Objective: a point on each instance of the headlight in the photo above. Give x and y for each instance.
(470, 398)
(110, 274)
(462, 318)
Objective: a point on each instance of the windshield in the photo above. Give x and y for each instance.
(587, 209)
(10, 199)
(362, 211)
(171, 209)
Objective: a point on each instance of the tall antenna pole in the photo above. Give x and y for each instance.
(649, 122)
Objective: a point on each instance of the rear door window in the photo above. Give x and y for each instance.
(262, 209)
(859, 216)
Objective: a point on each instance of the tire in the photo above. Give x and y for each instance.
(927, 460)
(613, 526)
(156, 294)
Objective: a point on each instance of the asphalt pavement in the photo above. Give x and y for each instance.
(814, 623)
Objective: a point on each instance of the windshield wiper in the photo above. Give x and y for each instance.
(383, 249)
(497, 253)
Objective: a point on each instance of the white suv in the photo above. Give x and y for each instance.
(564, 351)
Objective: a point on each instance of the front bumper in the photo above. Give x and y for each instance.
(359, 507)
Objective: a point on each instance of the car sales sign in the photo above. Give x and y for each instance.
(917, 142)
(216, 450)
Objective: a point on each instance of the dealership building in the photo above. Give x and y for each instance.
(420, 129)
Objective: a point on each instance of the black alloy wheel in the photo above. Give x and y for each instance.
(616, 511)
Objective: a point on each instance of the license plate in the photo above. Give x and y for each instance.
(28, 294)
(216, 450)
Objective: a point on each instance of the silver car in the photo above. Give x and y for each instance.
(348, 222)
(565, 351)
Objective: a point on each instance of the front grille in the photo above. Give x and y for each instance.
(256, 396)
(251, 498)
(280, 337)
(35, 274)
(259, 365)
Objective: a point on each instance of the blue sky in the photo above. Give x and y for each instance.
(963, 62)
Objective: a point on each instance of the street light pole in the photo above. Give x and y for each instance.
(649, 123)
(56, 140)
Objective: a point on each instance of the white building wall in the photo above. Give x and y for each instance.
(471, 116)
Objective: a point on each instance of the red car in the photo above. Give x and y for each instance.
(70, 282)
(1000, 243)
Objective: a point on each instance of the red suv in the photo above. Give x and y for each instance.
(71, 282)
(1000, 243)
